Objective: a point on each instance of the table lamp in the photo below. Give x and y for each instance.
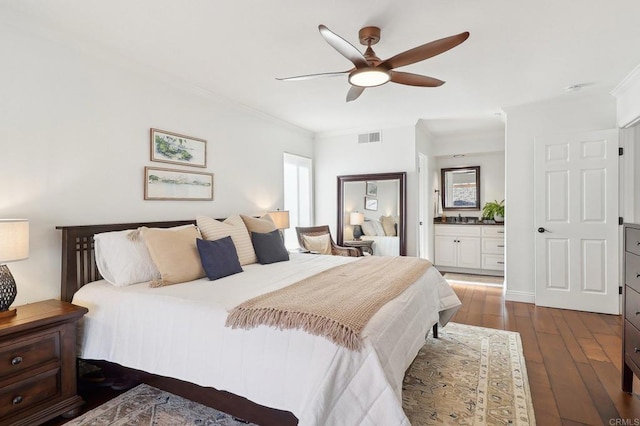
(14, 245)
(356, 219)
(281, 220)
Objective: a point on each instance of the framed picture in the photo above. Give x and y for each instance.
(168, 184)
(372, 189)
(167, 147)
(370, 203)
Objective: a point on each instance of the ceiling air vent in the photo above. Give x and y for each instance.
(370, 137)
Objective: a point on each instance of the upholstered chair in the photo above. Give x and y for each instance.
(317, 231)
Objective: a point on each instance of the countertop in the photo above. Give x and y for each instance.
(465, 221)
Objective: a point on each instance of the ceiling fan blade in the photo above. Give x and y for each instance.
(354, 92)
(312, 76)
(425, 51)
(345, 48)
(415, 79)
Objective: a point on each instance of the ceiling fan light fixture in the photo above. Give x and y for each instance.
(369, 77)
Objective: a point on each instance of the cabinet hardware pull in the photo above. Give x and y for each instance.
(17, 400)
(637, 312)
(502, 232)
(638, 243)
(16, 361)
(500, 263)
(500, 245)
(637, 275)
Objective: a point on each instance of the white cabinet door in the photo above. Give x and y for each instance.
(469, 252)
(446, 250)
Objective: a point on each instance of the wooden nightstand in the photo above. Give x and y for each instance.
(38, 363)
(365, 246)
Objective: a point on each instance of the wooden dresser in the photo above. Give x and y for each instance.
(38, 363)
(631, 332)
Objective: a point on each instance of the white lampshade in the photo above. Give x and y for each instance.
(356, 218)
(280, 218)
(14, 239)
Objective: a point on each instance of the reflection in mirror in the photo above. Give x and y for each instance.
(373, 205)
(461, 188)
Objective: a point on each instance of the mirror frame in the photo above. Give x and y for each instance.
(402, 209)
(444, 192)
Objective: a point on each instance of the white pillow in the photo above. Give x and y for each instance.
(368, 229)
(234, 227)
(378, 227)
(123, 259)
(317, 243)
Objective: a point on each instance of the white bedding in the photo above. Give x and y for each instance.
(178, 331)
(384, 245)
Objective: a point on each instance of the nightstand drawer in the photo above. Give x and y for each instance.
(632, 342)
(632, 306)
(25, 354)
(632, 270)
(27, 393)
(632, 240)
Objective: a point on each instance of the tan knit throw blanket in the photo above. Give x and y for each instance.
(336, 303)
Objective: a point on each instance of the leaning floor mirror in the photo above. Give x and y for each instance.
(372, 208)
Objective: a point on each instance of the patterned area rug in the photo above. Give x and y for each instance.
(469, 376)
(146, 405)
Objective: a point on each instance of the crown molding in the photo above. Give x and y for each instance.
(632, 78)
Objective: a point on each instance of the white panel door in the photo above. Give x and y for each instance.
(576, 214)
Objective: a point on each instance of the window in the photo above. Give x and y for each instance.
(298, 184)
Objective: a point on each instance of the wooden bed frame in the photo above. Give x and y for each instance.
(79, 268)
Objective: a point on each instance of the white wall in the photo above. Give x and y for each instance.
(74, 132)
(575, 113)
(491, 177)
(337, 155)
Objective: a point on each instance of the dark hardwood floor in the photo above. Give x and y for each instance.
(573, 358)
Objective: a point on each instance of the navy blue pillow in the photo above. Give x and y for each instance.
(219, 258)
(269, 247)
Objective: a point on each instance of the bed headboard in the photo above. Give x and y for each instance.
(78, 256)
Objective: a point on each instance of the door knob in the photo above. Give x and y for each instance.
(541, 230)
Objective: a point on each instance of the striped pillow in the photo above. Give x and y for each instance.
(233, 227)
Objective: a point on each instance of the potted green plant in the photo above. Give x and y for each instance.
(494, 210)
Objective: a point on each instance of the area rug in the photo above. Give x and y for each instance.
(146, 405)
(469, 376)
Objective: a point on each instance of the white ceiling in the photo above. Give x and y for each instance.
(518, 52)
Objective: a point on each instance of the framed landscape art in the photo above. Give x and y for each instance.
(168, 184)
(372, 189)
(168, 147)
(370, 203)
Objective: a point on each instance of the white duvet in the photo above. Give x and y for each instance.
(178, 331)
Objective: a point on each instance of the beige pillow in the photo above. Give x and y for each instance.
(174, 253)
(233, 227)
(317, 243)
(262, 225)
(389, 225)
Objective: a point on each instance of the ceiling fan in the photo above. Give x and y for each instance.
(370, 71)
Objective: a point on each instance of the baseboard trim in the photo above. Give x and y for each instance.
(520, 296)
